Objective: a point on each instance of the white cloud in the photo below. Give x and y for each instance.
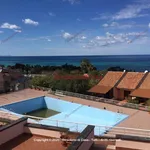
(78, 19)
(119, 38)
(67, 35)
(9, 26)
(1, 32)
(47, 38)
(72, 1)
(137, 9)
(83, 37)
(41, 38)
(116, 25)
(100, 38)
(19, 31)
(76, 38)
(31, 22)
(135, 33)
(51, 14)
(103, 16)
(132, 11)
(105, 25)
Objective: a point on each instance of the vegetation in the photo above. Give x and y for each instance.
(72, 85)
(86, 66)
(148, 102)
(134, 101)
(75, 85)
(117, 68)
(38, 69)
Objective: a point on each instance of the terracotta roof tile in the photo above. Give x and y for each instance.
(131, 80)
(145, 93)
(146, 83)
(107, 83)
(100, 89)
(111, 78)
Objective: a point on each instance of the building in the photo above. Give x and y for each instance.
(128, 84)
(5, 80)
(105, 86)
(143, 91)
(123, 85)
(20, 134)
(12, 80)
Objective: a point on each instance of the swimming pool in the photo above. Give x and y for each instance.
(72, 115)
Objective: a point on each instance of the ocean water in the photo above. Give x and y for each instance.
(134, 62)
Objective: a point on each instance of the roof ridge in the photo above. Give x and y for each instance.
(124, 74)
(142, 80)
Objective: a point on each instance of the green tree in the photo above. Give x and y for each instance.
(86, 66)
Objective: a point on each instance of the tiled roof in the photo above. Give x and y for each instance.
(111, 78)
(146, 83)
(131, 80)
(107, 83)
(100, 89)
(144, 88)
(145, 93)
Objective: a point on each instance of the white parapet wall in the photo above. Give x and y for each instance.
(12, 130)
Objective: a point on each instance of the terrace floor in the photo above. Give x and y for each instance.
(30, 142)
(136, 119)
(19, 96)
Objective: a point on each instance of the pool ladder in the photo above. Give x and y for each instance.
(67, 115)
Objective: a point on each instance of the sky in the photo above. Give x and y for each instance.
(74, 27)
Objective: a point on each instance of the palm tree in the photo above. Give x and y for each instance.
(86, 66)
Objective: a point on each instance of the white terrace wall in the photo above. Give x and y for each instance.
(42, 132)
(12, 131)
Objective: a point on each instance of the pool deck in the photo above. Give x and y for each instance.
(137, 119)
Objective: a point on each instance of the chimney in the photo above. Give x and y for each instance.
(1, 68)
(145, 71)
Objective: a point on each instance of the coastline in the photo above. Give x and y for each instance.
(134, 62)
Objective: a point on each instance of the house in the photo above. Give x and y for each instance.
(143, 91)
(4, 82)
(105, 86)
(130, 82)
(12, 80)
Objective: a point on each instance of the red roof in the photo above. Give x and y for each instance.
(107, 82)
(131, 80)
(100, 89)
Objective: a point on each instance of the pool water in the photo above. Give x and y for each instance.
(43, 113)
(76, 117)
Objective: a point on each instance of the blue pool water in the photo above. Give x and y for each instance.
(70, 114)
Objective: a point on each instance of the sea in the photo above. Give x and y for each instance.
(133, 62)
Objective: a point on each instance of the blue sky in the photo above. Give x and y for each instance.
(74, 27)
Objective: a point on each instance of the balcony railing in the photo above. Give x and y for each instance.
(97, 99)
(104, 131)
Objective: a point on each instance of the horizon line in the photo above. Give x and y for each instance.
(71, 55)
